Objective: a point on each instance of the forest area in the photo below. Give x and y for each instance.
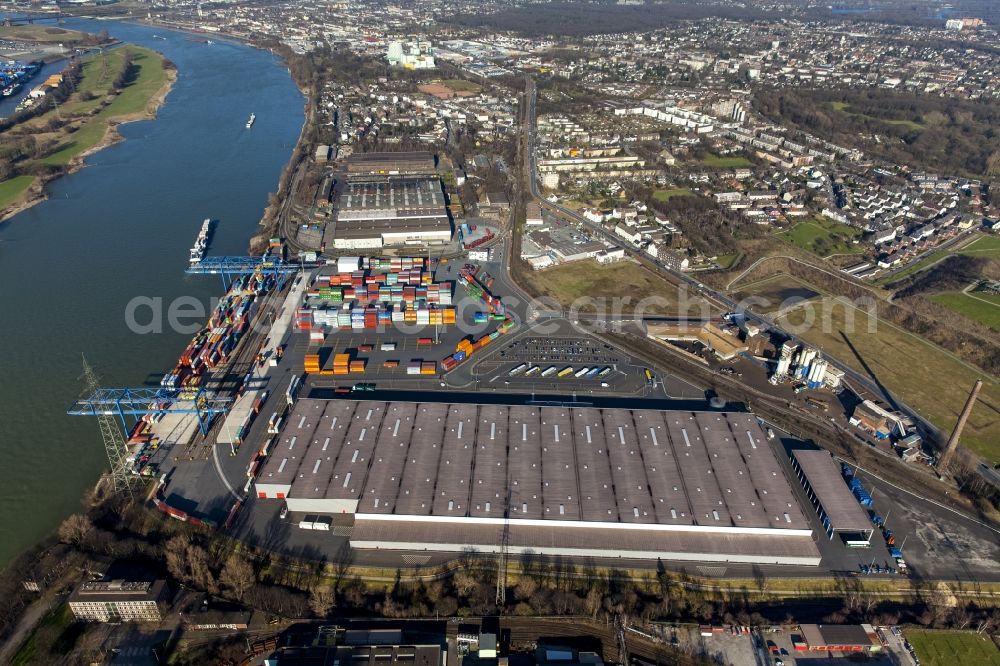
(951, 136)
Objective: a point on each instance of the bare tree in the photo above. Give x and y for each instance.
(76, 529)
(238, 576)
(174, 554)
(321, 600)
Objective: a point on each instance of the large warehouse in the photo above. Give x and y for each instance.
(373, 212)
(702, 486)
(389, 163)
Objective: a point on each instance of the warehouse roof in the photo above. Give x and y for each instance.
(838, 635)
(553, 539)
(388, 161)
(706, 471)
(824, 479)
(408, 192)
(396, 225)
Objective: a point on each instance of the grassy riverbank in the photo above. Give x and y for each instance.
(114, 87)
(44, 34)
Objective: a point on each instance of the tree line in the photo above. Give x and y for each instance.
(953, 136)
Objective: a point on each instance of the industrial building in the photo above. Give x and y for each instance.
(374, 212)
(376, 647)
(840, 638)
(572, 481)
(119, 601)
(390, 164)
(837, 507)
(724, 342)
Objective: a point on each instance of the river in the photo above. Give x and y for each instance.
(120, 229)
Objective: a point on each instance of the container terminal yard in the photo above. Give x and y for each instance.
(404, 410)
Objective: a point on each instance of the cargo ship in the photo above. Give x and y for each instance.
(201, 243)
(251, 120)
(13, 75)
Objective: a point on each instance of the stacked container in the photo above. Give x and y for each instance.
(341, 364)
(312, 363)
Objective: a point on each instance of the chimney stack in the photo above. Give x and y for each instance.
(949, 449)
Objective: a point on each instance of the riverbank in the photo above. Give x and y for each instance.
(87, 121)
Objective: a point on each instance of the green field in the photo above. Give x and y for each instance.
(729, 162)
(923, 375)
(979, 306)
(667, 195)
(984, 246)
(726, 261)
(48, 638)
(133, 99)
(823, 237)
(844, 108)
(11, 189)
(461, 85)
(941, 648)
(41, 33)
(583, 279)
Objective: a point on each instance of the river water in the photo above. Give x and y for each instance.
(117, 230)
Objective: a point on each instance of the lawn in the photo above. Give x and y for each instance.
(133, 99)
(461, 85)
(823, 237)
(726, 261)
(667, 195)
(729, 162)
(984, 246)
(940, 648)
(844, 108)
(582, 279)
(41, 33)
(979, 306)
(11, 189)
(923, 375)
(55, 634)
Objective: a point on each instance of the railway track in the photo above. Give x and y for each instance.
(525, 631)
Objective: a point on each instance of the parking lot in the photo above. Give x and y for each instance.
(537, 363)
